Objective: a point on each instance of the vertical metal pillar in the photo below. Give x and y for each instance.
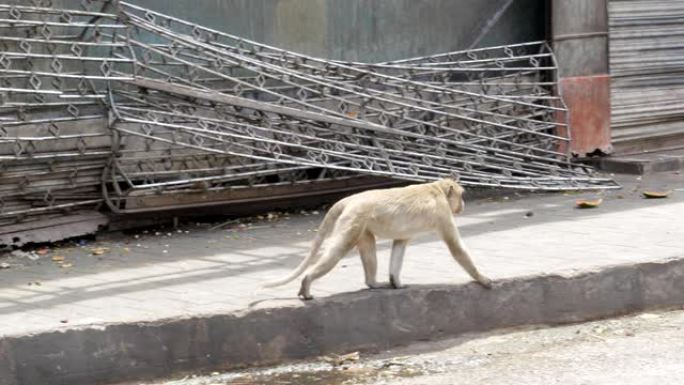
(580, 41)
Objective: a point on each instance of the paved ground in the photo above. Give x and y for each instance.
(195, 270)
(639, 350)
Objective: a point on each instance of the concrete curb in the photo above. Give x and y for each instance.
(366, 320)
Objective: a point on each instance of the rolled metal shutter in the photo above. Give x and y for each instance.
(647, 71)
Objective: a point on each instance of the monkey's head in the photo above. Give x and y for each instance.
(454, 194)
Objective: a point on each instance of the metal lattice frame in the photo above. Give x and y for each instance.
(164, 105)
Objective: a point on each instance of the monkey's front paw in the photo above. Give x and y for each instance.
(485, 282)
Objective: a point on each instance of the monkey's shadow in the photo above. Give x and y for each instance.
(385, 290)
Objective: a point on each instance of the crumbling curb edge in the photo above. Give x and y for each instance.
(366, 320)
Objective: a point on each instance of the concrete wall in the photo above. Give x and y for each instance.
(365, 30)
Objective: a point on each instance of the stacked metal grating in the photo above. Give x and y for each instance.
(113, 103)
(54, 139)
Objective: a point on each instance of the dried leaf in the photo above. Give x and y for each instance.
(588, 204)
(58, 258)
(99, 250)
(656, 194)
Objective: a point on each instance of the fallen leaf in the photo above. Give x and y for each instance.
(58, 258)
(588, 204)
(99, 250)
(656, 194)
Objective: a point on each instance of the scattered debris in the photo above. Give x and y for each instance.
(57, 258)
(596, 337)
(66, 265)
(337, 360)
(656, 194)
(43, 251)
(648, 316)
(24, 254)
(588, 204)
(4, 266)
(529, 214)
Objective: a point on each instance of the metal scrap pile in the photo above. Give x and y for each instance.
(113, 102)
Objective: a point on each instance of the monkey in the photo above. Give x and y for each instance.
(399, 214)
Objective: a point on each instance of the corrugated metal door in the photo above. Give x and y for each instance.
(647, 70)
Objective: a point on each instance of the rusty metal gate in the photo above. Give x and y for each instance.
(112, 102)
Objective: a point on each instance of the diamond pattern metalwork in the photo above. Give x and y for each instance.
(101, 115)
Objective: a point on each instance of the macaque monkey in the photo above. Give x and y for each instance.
(396, 213)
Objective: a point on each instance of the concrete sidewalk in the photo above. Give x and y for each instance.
(194, 273)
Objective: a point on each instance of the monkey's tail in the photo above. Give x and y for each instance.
(323, 231)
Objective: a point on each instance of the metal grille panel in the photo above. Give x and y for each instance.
(114, 101)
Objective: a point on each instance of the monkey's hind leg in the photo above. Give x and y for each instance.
(339, 247)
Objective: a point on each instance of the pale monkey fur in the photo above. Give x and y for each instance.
(396, 213)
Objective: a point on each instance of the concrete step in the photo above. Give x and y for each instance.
(640, 164)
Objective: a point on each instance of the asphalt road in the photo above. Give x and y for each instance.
(641, 349)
